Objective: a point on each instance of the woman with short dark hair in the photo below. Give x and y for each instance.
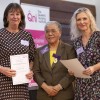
(53, 78)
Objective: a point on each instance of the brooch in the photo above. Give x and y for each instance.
(55, 60)
(56, 57)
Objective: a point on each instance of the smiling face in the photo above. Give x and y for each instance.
(14, 18)
(52, 34)
(83, 21)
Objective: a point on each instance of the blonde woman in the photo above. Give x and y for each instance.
(86, 40)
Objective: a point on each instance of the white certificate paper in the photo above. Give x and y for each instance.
(75, 66)
(20, 63)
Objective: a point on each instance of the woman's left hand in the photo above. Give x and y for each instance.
(29, 75)
(88, 71)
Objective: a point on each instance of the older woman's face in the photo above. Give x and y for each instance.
(14, 18)
(83, 21)
(52, 34)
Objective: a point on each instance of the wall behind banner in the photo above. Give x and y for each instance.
(61, 11)
(91, 2)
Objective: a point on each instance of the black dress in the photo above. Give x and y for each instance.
(11, 44)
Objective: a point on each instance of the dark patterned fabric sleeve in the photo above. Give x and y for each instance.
(96, 46)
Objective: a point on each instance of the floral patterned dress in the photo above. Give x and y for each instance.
(88, 89)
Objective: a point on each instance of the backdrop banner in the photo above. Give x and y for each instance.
(36, 18)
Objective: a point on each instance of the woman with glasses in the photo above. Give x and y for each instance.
(53, 78)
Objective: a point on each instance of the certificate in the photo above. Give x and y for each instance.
(75, 66)
(20, 63)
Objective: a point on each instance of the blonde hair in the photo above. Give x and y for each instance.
(74, 31)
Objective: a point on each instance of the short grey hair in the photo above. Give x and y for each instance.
(53, 23)
(74, 31)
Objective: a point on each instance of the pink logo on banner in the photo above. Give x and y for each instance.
(31, 18)
(39, 37)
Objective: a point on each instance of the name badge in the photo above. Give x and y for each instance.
(44, 50)
(25, 43)
(79, 50)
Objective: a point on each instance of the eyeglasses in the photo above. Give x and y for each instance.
(51, 31)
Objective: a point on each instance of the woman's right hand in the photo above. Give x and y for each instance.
(7, 71)
(70, 72)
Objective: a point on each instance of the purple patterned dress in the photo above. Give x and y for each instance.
(88, 89)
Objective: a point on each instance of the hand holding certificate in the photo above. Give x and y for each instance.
(75, 66)
(20, 63)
